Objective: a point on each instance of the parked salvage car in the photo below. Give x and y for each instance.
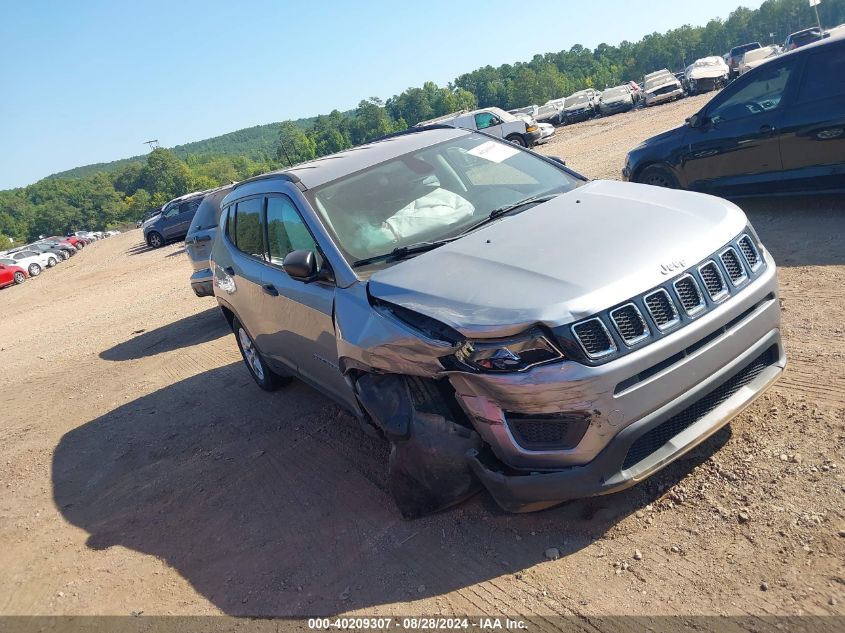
(493, 121)
(735, 56)
(424, 282)
(661, 86)
(33, 261)
(39, 247)
(173, 221)
(11, 274)
(198, 240)
(803, 37)
(63, 245)
(758, 56)
(580, 106)
(778, 129)
(706, 74)
(614, 100)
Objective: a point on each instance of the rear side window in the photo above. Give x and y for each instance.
(823, 75)
(206, 216)
(248, 237)
(286, 230)
(756, 96)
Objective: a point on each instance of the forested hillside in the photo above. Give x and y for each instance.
(98, 196)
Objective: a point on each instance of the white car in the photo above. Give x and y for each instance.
(30, 261)
(757, 57)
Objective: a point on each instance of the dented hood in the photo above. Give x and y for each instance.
(561, 260)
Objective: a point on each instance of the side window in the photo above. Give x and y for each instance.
(189, 207)
(171, 211)
(761, 94)
(229, 225)
(484, 120)
(248, 227)
(286, 231)
(823, 75)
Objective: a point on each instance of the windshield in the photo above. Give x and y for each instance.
(576, 100)
(431, 194)
(614, 93)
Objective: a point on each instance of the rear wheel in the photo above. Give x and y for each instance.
(516, 139)
(19, 277)
(264, 377)
(155, 240)
(34, 270)
(51, 261)
(658, 177)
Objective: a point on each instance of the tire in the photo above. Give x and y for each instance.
(263, 376)
(516, 139)
(19, 278)
(34, 270)
(155, 240)
(51, 261)
(658, 177)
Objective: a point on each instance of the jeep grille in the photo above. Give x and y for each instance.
(630, 324)
(661, 309)
(736, 272)
(713, 280)
(749, 251)
(594, 338)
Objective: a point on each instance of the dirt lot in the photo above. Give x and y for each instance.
(142, 471)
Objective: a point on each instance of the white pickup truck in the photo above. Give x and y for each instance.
(493, 121)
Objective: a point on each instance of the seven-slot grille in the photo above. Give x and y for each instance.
(690, 294)
(630, 324)
(594, 338)
(713, 280)
(749, 251)
(734, 267)
(672, 304)
(661, 309)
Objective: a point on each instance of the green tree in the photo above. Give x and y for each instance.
(294, 145)
(164, 173)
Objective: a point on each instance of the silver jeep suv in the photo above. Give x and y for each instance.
(501, 321)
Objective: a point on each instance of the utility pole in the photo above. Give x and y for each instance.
(153, 144)
(815, 5)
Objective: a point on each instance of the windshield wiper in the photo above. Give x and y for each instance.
(500, 211)
(402, 251)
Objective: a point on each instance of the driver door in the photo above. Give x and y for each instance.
(488, 122)
(736, 148)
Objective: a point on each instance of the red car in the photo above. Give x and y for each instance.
(77, 242)
(11, 275)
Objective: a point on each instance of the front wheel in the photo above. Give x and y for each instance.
(20, 277)
(264, 377)
(658, 177)
(516, 139)
(155, 240)
(34, 270)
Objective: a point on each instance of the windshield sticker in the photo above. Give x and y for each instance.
(493, 151)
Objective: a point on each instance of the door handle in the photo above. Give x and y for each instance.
(201, 238)
(270, 289)
(229, 270)
(766, 128)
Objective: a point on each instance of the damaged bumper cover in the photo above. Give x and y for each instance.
(645, 446)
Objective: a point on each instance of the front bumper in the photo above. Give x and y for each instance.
(618, 466)
(577, 116)
(623, 400)
(651, 100)
(534, 138)
(201, 283)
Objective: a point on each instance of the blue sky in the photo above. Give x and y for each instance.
(90, 81)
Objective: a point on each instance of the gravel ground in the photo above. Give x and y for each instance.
(142, 471)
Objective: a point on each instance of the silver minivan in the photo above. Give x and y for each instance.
(500, 320)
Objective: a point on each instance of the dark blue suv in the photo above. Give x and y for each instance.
(173, 221)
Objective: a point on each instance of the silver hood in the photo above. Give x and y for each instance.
(562, 260)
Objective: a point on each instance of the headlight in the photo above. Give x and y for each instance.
(503, 355)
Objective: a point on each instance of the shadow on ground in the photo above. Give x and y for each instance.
(800, 230)
(277, 504)
(198, 328)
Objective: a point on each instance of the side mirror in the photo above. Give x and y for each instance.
(696, 120)
(301, 265)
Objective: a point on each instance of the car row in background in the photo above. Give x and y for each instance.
(30, 260)
(777, 129)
